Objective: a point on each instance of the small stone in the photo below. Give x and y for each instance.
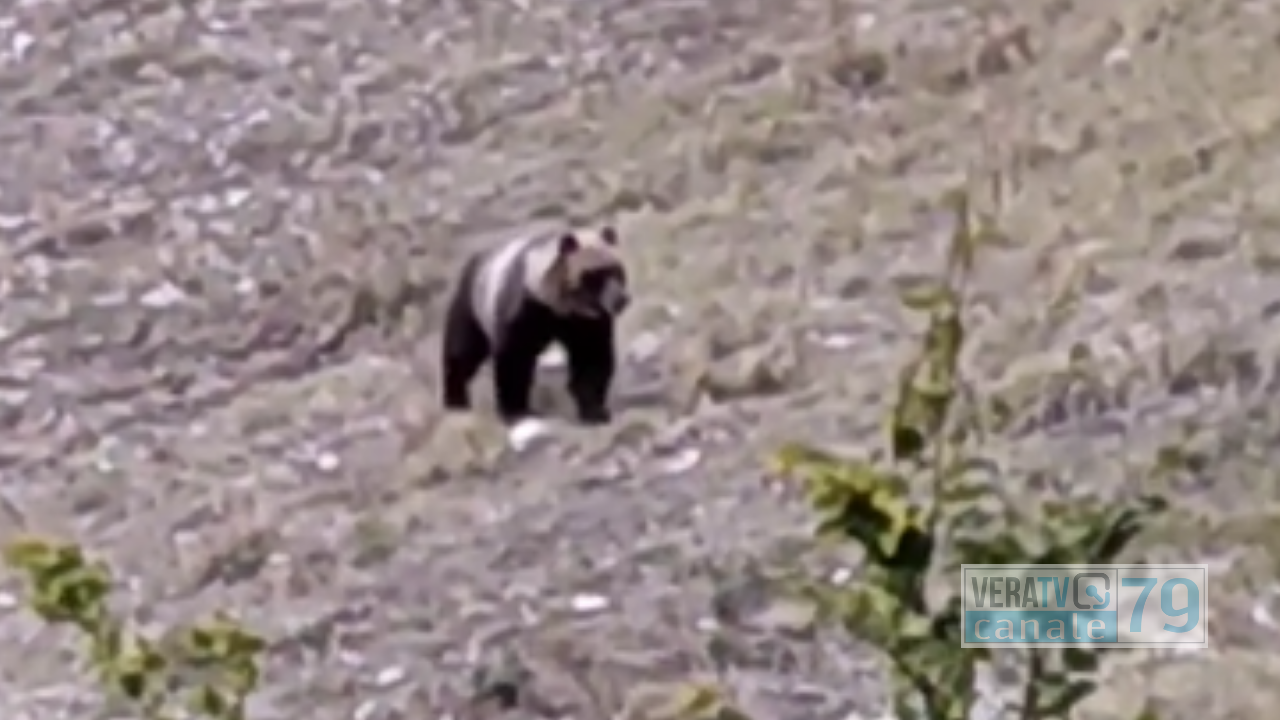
(680, 462)
(327, 462)
(366, 710)
(1261, 615)
(162, 296)
(645, 346)
(787, 616)
(553, 359)
(526, 433)
(757, 371)
(389, 676)
(589, 603)
(837, 341)
(1119, 55)
(235, 197)
(20, 43)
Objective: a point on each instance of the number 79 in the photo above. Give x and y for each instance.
(1192, 609)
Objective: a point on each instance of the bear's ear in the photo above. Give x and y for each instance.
(609, 235)
(568, 243)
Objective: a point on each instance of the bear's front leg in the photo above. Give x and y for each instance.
(590, 351)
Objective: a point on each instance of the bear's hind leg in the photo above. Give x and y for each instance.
(465, 348)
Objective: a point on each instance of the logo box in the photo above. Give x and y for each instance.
(1122, 606)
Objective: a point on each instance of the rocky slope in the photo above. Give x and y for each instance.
(228, 227)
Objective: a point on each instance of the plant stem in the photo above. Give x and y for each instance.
(1031, 691)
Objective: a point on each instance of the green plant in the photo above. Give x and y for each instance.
(915, 541)
(701, 701)
(208, 668)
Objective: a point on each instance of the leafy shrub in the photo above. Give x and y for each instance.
(934, 439)
(914, 545)
(209, 668)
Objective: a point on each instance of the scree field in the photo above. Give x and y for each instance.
(228, 227)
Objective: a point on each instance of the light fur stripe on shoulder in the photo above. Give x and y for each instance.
(500, 267)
